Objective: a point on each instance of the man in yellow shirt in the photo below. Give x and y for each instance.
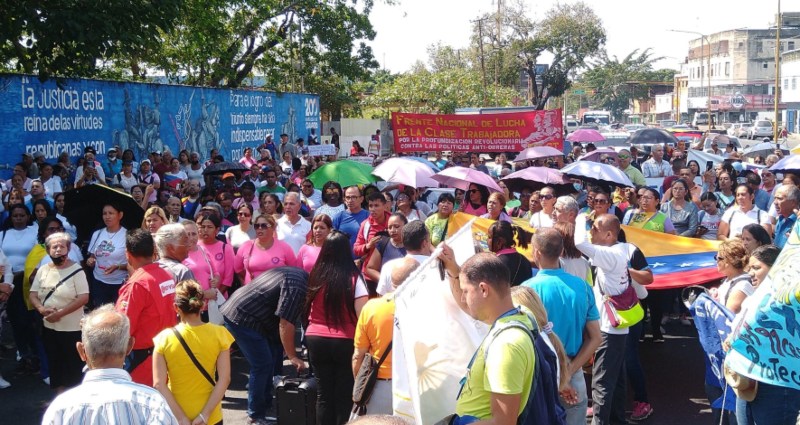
(374, 333)
(499, 377)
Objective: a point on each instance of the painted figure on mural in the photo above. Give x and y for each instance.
(289, 126)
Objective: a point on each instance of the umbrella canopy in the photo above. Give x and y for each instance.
(597, 172)
(652, 136)
(586, 135)
(790, 164)
(422, 160)
(595, 155)
(537, 152)
(535, 178)
(345, 172)
(763, 149)
(83, 207)
(461, 177)
(224, 167)
(407, 172)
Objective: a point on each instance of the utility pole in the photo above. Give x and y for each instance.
(483, 65)
(778, 90)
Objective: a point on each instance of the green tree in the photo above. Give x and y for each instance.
(616, 83)
(76, 38)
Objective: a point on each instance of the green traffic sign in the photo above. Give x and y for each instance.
(579, 92)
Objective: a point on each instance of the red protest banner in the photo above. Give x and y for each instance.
(506, 132)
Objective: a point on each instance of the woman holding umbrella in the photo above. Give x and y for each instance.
(107, 257)
(475, 200)
(437, 222)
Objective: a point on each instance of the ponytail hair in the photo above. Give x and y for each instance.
(189, 297)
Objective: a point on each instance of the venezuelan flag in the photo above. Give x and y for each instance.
(676, 261)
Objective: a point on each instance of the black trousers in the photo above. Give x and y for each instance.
(330, 359)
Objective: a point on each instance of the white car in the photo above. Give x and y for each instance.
(632, 128)
(761, 128)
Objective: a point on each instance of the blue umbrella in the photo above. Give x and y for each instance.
(424, 161)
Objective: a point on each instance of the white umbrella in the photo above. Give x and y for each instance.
(598, 172)
(406, 171)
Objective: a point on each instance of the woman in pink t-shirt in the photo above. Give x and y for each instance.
(475, 200)
(321, 227)
(264, 253)
(336, 294)
(218, 255)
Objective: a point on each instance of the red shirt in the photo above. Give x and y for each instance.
(360, 248)
(147, 298)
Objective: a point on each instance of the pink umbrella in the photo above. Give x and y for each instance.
(461, 177)
(537, 152)
(586, 135)
(535, 178)
(596, 154)
(405, 171)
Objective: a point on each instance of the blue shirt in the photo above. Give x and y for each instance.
(569, 302)
(347, 222)
(783, 228)
(762, 199)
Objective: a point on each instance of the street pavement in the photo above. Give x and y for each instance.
(674, 372)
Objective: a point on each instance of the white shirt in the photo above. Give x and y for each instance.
(109, 396)
(541, 220)
(52, 186)
(737, 219)
(385, 281)
(612, 273)
(293, 234)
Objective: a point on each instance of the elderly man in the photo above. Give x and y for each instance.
(568, 211)
(787, 200)
(374, 334)
(656, 166)
(172, 244)
(635, 175)
(147, 298)
(291, 228)
(261, 316)
(107, 392)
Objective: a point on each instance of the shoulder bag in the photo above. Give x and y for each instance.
(365, 381)
(60, 282)
(623, 310)
(193, 358)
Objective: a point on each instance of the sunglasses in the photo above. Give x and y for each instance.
(473, 190)
(623, 157)
(262, 226)
(244, 214)
(601, 201)
(547, 197)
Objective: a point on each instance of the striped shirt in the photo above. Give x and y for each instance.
(278, 293)
(108, 396)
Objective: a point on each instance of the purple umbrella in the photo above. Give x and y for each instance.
(586, 135)
(537, 152)
(789, 164)
(595, 155)
(535, 178)
(461, 177)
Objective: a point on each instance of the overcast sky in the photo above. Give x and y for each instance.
(404, 31)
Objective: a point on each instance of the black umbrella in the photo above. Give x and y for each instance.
(83, 207)
(652, 136)
(224, 167)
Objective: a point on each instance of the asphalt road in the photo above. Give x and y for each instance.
(674, 372)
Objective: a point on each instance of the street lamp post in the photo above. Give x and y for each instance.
(703, 38)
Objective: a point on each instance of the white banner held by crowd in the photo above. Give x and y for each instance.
(321, 150)
(431, 350)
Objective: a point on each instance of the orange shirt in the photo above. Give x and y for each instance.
(374, 331)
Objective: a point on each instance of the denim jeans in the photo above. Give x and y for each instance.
(262, 354)
(576, 414)
(773, 405)
(633, 366)
(608, 380)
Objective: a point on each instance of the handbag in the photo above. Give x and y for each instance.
(214, 316)
(365, 381)
(193, 358)
(623, 310)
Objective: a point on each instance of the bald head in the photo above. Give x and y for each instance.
(605, 230)
(402, 270)
(548, 243)
(105, 335)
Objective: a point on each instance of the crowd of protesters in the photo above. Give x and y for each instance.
(246, 257)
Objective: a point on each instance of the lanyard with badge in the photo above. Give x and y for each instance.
(463, 381)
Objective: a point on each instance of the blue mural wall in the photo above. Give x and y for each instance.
(52, 118)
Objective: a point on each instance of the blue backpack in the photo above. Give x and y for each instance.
(543, 406)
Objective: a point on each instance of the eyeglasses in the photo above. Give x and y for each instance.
(262, 226)
(623, 157)
(244, 214)
(719, 258)
(601, 201)
(547, 197)
(646, 198)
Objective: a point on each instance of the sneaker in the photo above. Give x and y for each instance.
(641, 411)
(3, 383)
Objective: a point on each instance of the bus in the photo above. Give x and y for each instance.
(598, 118)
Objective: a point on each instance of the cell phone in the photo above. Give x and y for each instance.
(709, 165)
(382, 233)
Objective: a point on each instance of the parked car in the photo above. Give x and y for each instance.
(761, 128)
(631, 128)
(667, 123)
(571, 126)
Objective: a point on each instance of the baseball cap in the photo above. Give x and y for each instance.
(155, 153)
(227, 175)
(145, 160)
(112, 150)
(38, 154)
(89, 149)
